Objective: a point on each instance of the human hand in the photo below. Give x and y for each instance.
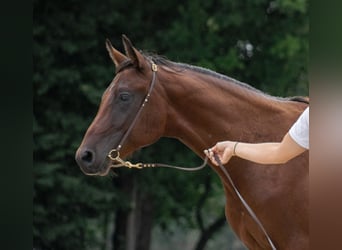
(224, 150)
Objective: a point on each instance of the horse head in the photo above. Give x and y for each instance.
(120, 105)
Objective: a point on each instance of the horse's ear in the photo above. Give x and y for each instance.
(116, 56)
(136, 57)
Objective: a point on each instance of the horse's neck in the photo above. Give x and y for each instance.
(203, 110)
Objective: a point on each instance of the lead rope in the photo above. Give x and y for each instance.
(249, 209)
(114, 156)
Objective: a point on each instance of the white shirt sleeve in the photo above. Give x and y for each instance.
(299, 131)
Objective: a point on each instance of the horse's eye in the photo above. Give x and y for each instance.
(125, 97)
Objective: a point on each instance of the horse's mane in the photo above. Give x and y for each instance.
(300, 99)
(179, 67)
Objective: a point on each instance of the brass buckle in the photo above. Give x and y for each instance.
(154, 67)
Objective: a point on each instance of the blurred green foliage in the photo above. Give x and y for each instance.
(263, 43)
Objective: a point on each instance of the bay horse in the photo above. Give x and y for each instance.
(200, 107)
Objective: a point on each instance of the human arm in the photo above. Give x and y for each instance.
(263, 153)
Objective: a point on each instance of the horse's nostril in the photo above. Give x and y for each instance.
(87, 156)
(86, 159)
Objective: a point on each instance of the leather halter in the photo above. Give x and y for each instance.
(114, 153)
(154, 68)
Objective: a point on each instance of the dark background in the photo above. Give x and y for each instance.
(263, 43)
